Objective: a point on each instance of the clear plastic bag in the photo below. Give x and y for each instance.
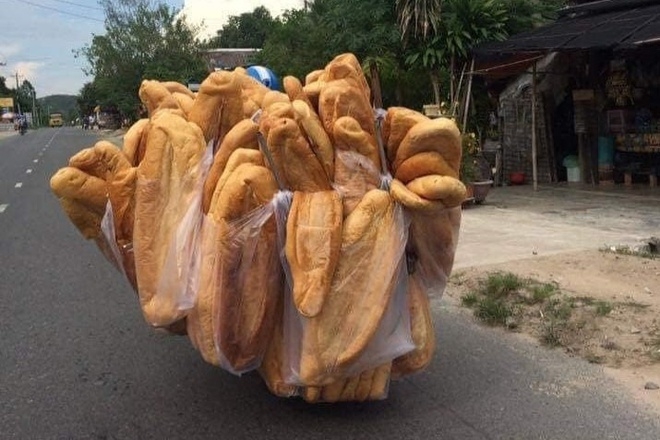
(354, 333)
(355, 175)
(248, 288)
(167, 299)
(121, 257)
(432, 247)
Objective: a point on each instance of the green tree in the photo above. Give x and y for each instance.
(418, 19)
(248, 30)
(144, 39)
(4, 90)
(304, 40)
(25, 95)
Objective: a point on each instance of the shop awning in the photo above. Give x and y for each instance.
(605, 24)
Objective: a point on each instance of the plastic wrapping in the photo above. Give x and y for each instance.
(355, 175)
(120, 256)
(248, 286)
(168, 298)
(432, 247)
(364, 322)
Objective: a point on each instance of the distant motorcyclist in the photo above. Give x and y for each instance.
(22, 124)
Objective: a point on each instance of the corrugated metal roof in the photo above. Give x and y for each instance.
(613, 29)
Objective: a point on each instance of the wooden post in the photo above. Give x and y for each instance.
(467, 97)
(534, 161)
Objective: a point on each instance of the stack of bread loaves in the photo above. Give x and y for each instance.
(298, 234)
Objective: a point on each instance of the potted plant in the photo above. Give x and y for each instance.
(476, 181)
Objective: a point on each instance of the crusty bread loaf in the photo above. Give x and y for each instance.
(411, 200)
(238, 157)
(349, 135)
(218, 105)
(184, 101)
(440, 135)
(272, 114)
(313, 241)
(347, 66)
(355, 175)
(447, 189)
(271, 369)
(296, 162)
(83, 198)
(250, 87)
(398, 121)
(274, 96)
(318, 138)
(105, 161)
(153, 93)
(342, 97)
(176, 87)
(433, 239)
(424, 164)
(361, 289)
(314, 75)
(134, 137)
(234, 307)
(422, 331)
(242, 135)
(294, 89)
(169, 177)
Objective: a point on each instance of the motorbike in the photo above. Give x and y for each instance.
(22, 128)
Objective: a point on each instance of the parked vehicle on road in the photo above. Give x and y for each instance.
(55, 120)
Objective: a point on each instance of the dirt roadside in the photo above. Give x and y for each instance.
(588, 301)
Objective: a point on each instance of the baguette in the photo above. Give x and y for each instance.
(361, 290)
(169, 177)
(82, 197)
(242, 135)
(440, 135)
(218, 105)
(295, 161)
(313, 242)
(134, 137)
(316, 135)
(234, 312)
(398, 121)
(424, 164)
(423, 333)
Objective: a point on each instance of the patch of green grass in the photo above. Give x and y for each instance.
(603, 308)
(493, 311)
(500, 285)
(540, 293)
(470, 300)
(556, 313)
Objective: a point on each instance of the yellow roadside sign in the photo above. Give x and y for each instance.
(6, 102)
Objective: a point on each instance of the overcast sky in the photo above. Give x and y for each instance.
(38, 37)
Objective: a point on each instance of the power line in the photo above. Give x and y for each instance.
(96, 8)
(60, 11)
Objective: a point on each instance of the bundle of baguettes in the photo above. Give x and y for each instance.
(271, 229)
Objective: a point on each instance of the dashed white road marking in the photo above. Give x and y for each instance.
(28, 171)
(18, 184)
(35, 160)
(3, 207)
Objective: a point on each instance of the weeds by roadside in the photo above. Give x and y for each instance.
(557, 319)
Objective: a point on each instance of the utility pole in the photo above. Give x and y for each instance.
(18, 104)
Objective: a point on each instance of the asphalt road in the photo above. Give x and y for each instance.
(77, 361)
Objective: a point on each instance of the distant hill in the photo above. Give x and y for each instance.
(65, 104)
